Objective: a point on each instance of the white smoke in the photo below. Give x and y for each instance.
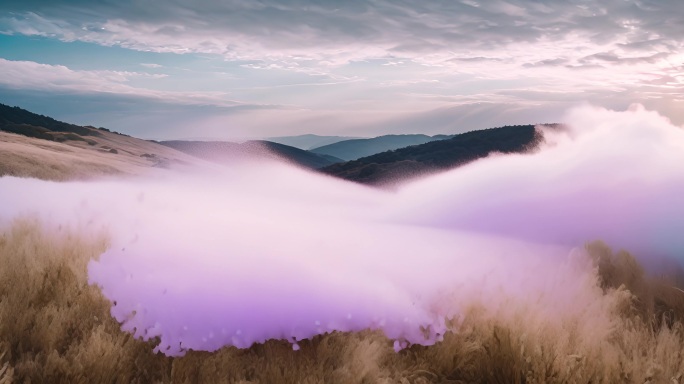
(614, 176)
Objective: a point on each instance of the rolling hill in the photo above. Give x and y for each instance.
(224, 152)
(412, 161)
(358, 148)
(308, 141)
(33, 145)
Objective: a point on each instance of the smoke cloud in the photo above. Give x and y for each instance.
(267, 251)
(614, 176)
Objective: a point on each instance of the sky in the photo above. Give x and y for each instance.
(236, 69)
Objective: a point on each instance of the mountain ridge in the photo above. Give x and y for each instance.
(226, 151)
(354, 149)
(76, 151)
(412, 161)
(309, 141)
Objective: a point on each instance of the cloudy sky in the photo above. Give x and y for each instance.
(255, 68)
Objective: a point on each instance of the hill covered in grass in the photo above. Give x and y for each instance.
(57, 328)
(415, 160)
(33, 145)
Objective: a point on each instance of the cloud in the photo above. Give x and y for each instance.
(32, 75)
(28, 75)
(338, 32)
(547, 62)
(610, 175)
(613, 57)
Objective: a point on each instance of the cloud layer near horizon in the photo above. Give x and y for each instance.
(267, 251)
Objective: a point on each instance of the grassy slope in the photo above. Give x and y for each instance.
(111, 155)
(33, 145)
(55, 328)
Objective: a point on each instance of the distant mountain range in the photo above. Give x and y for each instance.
(225, 152)
(358, 148)
(408, 162)
(100, 140)
(308, 141)
(52, 149)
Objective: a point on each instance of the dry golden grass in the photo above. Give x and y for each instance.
(621, 328)
(23, 156)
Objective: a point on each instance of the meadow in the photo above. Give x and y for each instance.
(57, 328)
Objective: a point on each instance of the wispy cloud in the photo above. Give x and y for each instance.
(28, 75)
(335, 33)
(389, 57)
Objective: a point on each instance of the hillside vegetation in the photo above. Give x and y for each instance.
(416, 160)
(33, 145)
(21, 121)
(56, 328)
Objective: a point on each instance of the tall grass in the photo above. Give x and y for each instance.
(622, 327)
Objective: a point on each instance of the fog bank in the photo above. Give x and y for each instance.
(261, 251)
